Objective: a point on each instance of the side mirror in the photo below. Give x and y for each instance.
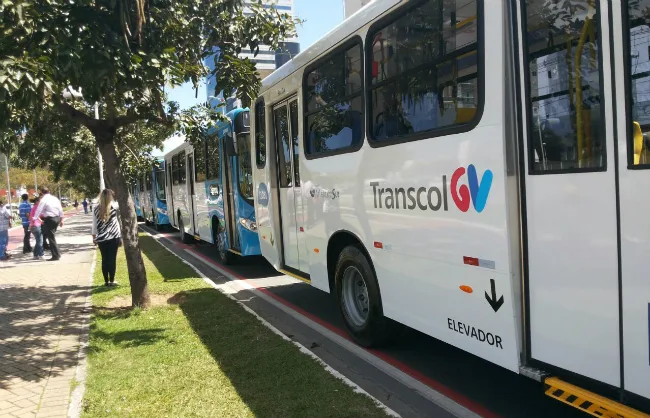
(231, 144)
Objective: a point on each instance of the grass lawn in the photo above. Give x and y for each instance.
(200, 355)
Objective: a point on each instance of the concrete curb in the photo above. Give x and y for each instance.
(76, 399)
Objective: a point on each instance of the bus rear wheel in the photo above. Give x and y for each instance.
(220, 241)
(359, 300)
(185, 238)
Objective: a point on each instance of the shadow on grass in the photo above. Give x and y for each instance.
(268, 373)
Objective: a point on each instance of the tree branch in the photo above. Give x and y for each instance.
(77, 116)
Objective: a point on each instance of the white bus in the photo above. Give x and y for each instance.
(210, 189)
(475, 170)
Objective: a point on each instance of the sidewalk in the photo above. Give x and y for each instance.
(41, 316)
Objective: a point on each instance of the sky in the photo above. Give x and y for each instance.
(320, 17)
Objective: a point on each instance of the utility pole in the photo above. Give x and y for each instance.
(102, 186)
(8, 182)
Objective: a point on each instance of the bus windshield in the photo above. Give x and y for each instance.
(245, 171)
(160, 184)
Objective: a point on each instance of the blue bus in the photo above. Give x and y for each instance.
(151, 198)
(210, 189)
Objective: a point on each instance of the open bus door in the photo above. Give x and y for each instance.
(191, 193)
(287, 146)
(229, 210)
(584, 191)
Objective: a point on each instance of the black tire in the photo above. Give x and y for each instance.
(376, 330)
(226, 256)
(185, 238)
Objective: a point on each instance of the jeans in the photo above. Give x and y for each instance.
(49, 229)
(27, 247)
(108, 249)
(38, 236)
(4, 241)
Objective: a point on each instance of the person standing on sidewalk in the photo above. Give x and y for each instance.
(106, 233)
(85, 205)
(51, 211)
(35, 226)
(24, 209)
(5, 225)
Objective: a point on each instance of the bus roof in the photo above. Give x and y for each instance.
(329, 40)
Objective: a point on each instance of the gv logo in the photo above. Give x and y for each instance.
(477, 192)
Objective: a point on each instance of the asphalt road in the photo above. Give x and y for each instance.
(483, 388)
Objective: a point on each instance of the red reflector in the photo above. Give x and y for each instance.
(302, 229)
(379, 244)
(471, 261)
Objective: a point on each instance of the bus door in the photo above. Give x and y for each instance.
(229, 209)
(190, 194)
(287, 146)
(569, 188)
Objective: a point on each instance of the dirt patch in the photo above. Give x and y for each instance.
(156, 300)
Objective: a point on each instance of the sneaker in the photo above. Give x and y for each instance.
(53, 259)
(4, 258)
(112, 284)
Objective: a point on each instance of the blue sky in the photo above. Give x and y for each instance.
(320, 17)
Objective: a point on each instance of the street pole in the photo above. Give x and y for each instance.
(35, 184)
(102, 186)
(8, 182)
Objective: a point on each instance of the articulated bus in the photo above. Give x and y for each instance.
(478, 171)
(152, 200)
(210, 189)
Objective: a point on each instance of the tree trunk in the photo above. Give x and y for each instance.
(116, 181)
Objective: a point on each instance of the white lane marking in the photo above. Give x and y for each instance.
(228, 290)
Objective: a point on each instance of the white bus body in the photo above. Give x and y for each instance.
(497, 213)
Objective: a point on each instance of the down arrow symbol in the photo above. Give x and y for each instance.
(494, 303)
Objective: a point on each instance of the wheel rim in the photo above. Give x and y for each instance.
(355, 296)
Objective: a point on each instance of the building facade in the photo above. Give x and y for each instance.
(266, 60)
(350, 7)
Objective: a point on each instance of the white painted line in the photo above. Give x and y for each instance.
(227, 289)
(76, 398)
(427, 392)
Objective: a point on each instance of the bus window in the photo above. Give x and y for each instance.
(149, 182)
(638, 79)
(182, 174)
(295, 139)
(174, 170)
(334, 103)
(566, 130)
(282, 137)
(199, 162)
(245, 171)
(424, 68)
(214, 162)
(260, 134)
(160, 184)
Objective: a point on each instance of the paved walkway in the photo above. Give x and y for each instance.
(42, 313)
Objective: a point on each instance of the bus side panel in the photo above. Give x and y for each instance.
(442, 261)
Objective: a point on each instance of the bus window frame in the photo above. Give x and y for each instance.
(528, 120)
(251, 200)
(627, 79)
(260, 103)
(303, 114)
(392, 17)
